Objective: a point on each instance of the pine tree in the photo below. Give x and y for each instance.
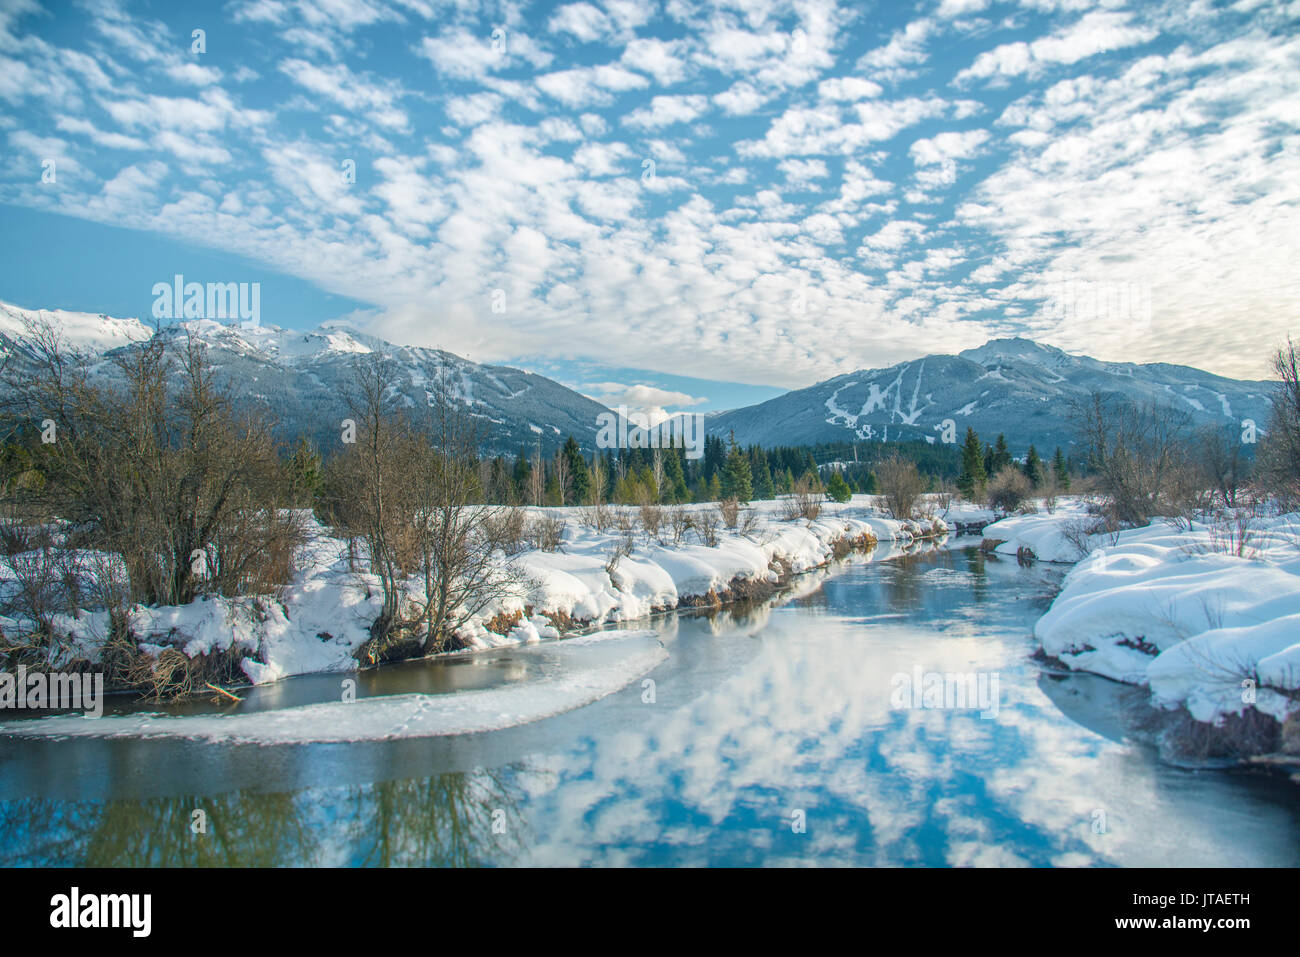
(674, 489)
(304, 472)
(1061, 470)
(1033, 467)
(837, 488)
(579, 474)
(499, 492)
(1001, 455)
(714, 457)
(763, 487)
(737, 479)
(519, 476)
(973, 478)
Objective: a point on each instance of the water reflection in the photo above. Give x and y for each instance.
(758, 713)
(454, 819)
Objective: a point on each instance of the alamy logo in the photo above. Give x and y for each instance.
(632, 430)
(179, 299)
(73, 910)
(37, 690)
(1127, 303)
(946, 690)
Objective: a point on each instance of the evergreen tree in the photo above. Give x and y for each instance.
(837, 488)
(1001, 455)
(973, 478)
(763, 488)
(737, 480)
(579, 474)
(304, 472)
(1061, 470)
(499, 483)
(519, 476)
(714, 457)
(674, 489)
(1033, 467)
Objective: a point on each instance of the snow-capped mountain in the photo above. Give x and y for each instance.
(84, 331)
(1012, 386)
(303, 377)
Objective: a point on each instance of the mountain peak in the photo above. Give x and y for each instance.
(85, 331)
(1015, 347)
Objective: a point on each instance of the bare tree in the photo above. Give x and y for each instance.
(154, 465)
(563, 480)
(1139, 453)
(1221, 462)
(1279, 458)
(462, 563)
(901, 484)
(537, 478)
(365, 489)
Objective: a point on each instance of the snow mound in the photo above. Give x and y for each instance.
(1182, 612)
(1042, 533)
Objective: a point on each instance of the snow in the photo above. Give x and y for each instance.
(1178, 610)
(320, 619)
(81, 330)
(1042, 533)
(585, 669)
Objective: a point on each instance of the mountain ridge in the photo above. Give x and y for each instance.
(302, 377)
(1014, 386)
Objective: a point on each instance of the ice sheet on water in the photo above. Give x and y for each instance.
(578, 672)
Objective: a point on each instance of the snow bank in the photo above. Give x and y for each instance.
(1182, 612)
(588, 669)
(1042, 533)
(321, 618)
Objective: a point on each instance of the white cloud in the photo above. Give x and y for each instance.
(660, 58)
(1094, 33)
(741, 99)
(459, 54)
(580, 20)
(351, 91)
(803, 172)
(667, 110)
(589, 86)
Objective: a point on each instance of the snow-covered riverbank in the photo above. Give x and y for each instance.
(1208, 617)
(323, 616)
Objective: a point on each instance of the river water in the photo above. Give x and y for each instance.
(775, 734)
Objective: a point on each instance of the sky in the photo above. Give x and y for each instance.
(680, 206)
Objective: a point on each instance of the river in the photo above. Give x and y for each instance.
(771, 734)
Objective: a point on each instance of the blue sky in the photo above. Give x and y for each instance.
(679, 205)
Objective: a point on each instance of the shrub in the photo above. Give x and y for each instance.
(804, 502)
(901, 484)
(506, 528)
(1008, 490)
(652, 518)
(729, 510)
(546, 533)
(1140, 456)
(679, 520)
(706, 525)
